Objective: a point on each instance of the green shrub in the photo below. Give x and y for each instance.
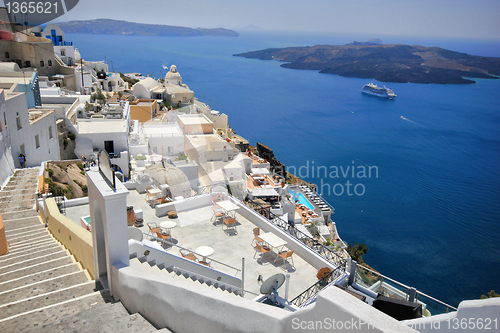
(50, 172)
(71, 136)
(65, 143)
(79, 165)
(82, 172)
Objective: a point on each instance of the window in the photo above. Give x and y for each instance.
(7, 55)
(50, 132)
(28, 63)
(37, 141)
(50, 62)
(63, 52)
(42, 64)
(170, 150)
(4, 119)
(18, 122)
(38, 34)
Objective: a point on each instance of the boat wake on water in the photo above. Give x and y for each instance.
(413, 122)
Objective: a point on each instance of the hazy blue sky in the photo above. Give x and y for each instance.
(439, 18)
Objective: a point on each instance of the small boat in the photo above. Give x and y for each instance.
(372, 89)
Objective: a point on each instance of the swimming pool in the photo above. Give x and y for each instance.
(302, 199)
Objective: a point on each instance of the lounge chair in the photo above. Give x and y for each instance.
(153, 227)
(285, 255)
(189, 256)
(230, 223)
(256, 238)
(162, 200)
(262, 249)
(217, 214)
(163, 235)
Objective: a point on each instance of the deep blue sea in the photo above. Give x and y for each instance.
(429, 213)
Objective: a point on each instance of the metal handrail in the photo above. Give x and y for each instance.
(313, 290)
(172, 244)
(407, 287)
(314, 245)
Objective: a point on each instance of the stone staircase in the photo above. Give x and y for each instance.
(41, 286)
(150, 267)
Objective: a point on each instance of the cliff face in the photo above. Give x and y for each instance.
(267, 153)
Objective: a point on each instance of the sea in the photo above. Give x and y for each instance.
(425, 192)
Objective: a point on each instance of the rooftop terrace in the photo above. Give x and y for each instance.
(194, 228)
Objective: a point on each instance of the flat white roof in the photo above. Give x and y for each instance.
(102, 126)
(161, 129)
(194, 119)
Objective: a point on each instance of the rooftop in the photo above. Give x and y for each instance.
(194, 228)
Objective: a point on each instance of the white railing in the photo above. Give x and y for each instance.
(187, 267)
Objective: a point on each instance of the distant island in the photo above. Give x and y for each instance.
(385, 62)
(115, 27)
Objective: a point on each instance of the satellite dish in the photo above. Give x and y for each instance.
(105, 169)
(272, 284)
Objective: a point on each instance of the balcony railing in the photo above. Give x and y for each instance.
(386, 286)
(290, 229)
(309, 295)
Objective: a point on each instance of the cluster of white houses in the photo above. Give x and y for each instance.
(56, 106)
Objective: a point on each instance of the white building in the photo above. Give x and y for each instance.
(63, 49)
(99, 133)
(149, 88)
(6, 161)
(178, 93)
(165, 139)
(31, 133)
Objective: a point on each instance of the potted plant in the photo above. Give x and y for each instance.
(140, 161)
(321, 275)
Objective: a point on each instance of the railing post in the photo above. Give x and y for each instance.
(412, 294)
(242, 277)
(352, 271)
(287, 286)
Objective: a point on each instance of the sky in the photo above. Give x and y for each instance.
(468, 19)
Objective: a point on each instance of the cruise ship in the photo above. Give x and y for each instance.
(372, 89)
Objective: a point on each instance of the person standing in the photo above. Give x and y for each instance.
(22, 160)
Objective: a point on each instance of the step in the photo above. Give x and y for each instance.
(22, 223)
(9, 209)
(20, 243)
(33, 246)
(10, 294)
(30, 320)
(23, 230)
(110, 317)
(27, 235)
(36, 261)
(6, 216)
(20, 253)
(64, 260)
(28, 303)
(28, 256)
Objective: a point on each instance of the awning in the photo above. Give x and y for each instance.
(260, 171)
(264, 192)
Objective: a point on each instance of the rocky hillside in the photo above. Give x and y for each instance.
(66, 178)
(115, 27)
(386, 62)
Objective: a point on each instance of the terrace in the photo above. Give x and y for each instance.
(195, 227)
